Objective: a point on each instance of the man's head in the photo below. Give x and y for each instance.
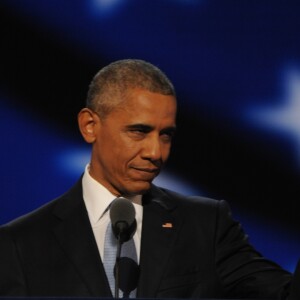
(130, 119)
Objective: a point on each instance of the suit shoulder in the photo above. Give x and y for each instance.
(44, 213)
(190, 200)
(32, 219)
(187, 203)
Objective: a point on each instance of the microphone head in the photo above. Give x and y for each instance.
(122, 216)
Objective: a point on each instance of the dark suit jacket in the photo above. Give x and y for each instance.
(203, 253)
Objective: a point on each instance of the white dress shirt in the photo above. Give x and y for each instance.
(97, 198)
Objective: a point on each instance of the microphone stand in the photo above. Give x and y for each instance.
(119, 246)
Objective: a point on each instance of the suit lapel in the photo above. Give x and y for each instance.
(159, 231)
(75, 235)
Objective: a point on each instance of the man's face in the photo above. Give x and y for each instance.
(133, 142)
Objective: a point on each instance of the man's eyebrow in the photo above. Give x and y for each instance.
(140, 126)
(148, 128)
(170, 130)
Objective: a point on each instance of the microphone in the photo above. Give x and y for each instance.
(123, 222)
(122, 217)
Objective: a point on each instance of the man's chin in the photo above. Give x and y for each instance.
(137, 188)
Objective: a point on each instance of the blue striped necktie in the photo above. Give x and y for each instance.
(109, 260)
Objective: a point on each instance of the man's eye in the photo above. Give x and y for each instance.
(138, 131)
(167, 136)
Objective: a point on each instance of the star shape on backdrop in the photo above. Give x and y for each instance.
(284, 117)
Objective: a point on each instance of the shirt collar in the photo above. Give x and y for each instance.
(97, 198)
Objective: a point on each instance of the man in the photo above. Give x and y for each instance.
(187, 247)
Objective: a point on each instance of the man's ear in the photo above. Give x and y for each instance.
(87, 121)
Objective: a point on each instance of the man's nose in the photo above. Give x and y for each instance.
(152, 149)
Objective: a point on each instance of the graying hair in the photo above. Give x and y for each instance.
(111, 84)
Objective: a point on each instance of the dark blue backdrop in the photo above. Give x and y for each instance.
(236, 68)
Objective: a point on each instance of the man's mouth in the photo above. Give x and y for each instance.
(146, 173)
(148, 170)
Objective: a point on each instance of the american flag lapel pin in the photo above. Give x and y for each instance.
(167, 225)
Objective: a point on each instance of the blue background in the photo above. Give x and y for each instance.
(236, 69)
